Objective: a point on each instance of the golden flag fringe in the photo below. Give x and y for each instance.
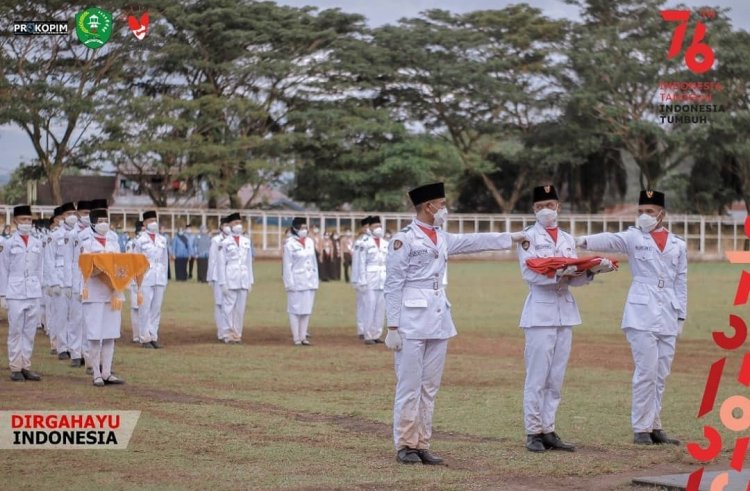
(117, 270)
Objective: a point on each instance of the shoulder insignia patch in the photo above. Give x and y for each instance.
(525, 244)
(49, 239)
(66, 240)
(81, 249)
(397, 245)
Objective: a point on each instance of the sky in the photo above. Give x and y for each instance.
(15, 146)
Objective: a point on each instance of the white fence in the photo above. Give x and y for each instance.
(708, 237)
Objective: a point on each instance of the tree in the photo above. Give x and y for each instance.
(482, 80)
(617, 57)
(50, 86)
(231, 73)
(354, 154)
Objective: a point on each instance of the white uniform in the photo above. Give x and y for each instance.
(212, 277)
(21, 271)
(156, 249)
(548, 315)
(59, 273)
(359, 244)
(656, 299)
(135, 330)
(51, 322)
(80, 233)
(416, 303)
(300, 275)
(371, 281)
(234, 271)
(101, 321)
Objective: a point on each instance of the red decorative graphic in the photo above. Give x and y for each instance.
(139, 28)
(699, 56)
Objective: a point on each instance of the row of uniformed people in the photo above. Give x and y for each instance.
(420, 324)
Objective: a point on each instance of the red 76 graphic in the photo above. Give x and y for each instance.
(696, 48)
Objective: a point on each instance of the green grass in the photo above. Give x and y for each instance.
(268, 415)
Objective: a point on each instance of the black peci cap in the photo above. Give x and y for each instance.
(232, 217)
(148, 214)
(650, 197)
(544, 193)
(427, 192)
(22, 211)
(298, 222)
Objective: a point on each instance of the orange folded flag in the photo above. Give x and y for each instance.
(549, 265)
(117, 271)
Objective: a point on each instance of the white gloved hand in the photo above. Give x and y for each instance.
(224, 290)
(581, 242)
(604, 266)
(680, 324)
(393, 340)
(571, 270)
(54, 291)
(68, 291)
(3, 303)
(519, 236)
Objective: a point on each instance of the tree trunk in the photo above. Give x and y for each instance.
(53, 178)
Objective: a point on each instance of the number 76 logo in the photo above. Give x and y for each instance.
(697, 48)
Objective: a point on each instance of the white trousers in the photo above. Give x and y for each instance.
(298, 324)
(419, 369)
(58, 320)
(135, 330)
(374, 314)
(23, 319)
(79, 347)
(51, 325)
(546, 356)
(149, 313)
(652, 355)
(361, 311)
(219, 317)
(233, 310)
(101, 353)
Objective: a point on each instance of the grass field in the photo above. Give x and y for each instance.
(268, 415)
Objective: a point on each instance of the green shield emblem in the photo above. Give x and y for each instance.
(94, 27)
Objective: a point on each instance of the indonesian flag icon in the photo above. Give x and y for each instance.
(139, 28)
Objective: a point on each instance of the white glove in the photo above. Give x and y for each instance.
(581, 242)
(54, 291)
(604, 266)
(3, 303)
(571, 270)
(680, 324)
(519, 236)
(393, 340)
(68, 291)
(224, 290)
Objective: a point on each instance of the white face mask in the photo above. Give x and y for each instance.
(546, 217)
(24, 228)
(302, 233)
(378, 232)
(86, 220)
(71, 220)
(440, 216)
(226, 230)
(152, 227)
(237, 229)
(647, 223)
(101, 228)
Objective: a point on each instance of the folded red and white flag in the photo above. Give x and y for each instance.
(548, 266)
